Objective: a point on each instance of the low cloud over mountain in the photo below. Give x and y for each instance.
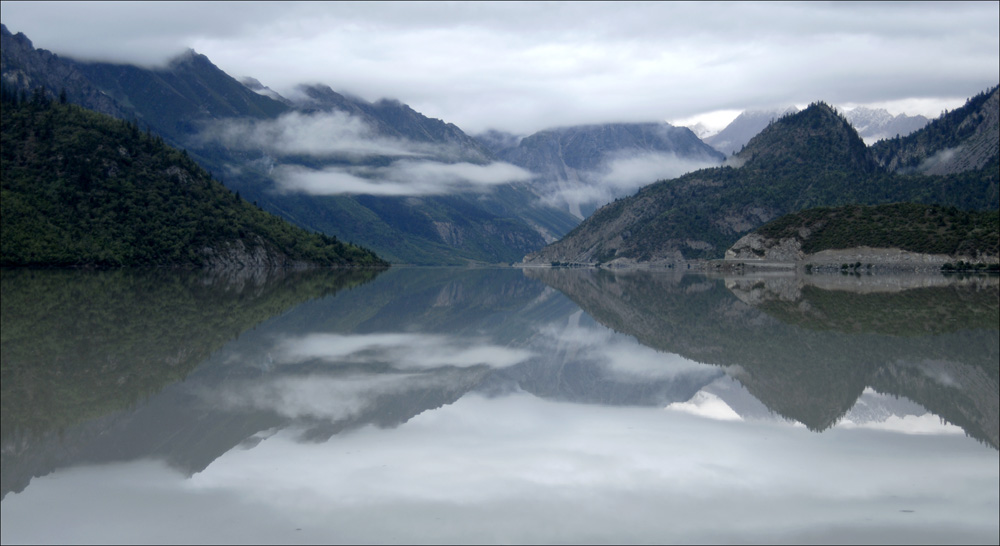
(401, 178)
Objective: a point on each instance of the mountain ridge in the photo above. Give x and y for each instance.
(803, 160)
(190, 96)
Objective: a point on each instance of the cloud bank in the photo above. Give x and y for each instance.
(403, 351)
(414, 169)
(523, 67)
(620, 176)
(401, 178)
(320, 135)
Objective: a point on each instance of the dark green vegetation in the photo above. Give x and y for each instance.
(809, 159)
(80, 344)
(82, 188)
(927, 229)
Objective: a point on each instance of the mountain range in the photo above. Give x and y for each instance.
(272, 151)
(419, 190)
(872, 125)
(801, 160)
(582, 167)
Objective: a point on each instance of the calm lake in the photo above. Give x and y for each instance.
(426, 405)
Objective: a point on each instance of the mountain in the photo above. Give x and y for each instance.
(81, 188)
(874, 124)
(746, 126)
(965, 139)
(808, 159)
(702, 132)
(580, 168)
(24, 67)
(263, 145)
(391, 118)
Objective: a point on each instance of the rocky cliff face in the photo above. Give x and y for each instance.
(755, 249)
(258, 255)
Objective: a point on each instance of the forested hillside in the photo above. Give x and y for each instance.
(82, 188)
(928, 229)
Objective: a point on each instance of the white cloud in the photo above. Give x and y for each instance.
(927, 423)
(320, 135)
(517, 469)
(632, 172)
(403, 177)
(318, 396)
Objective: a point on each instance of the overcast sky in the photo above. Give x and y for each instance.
(523, 67)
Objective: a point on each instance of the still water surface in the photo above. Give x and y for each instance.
(498, 406)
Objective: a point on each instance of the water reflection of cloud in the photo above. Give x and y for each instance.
(621, 357)
(927, 423)
(320, 396)
(563, 471)
(400, 350)
(518, 469)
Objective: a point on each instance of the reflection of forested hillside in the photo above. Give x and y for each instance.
(247, 389)
(87, 356)
(941, 352)
(905, 313)
(78, 345)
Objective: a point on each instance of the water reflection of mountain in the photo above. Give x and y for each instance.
(81, 347)
(92, 369)
(809, 353)
(378, 354)
(412, 340)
